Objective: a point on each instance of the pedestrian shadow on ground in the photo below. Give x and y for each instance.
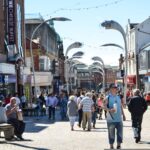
(3, 142)
(34, 127)
(26, 146)
(92, 130)
(144, 142)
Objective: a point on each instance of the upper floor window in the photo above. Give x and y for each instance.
(41, 64)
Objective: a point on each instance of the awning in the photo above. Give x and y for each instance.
(131, 79)
(42, 79)
(6, 68)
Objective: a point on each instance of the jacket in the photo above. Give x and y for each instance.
(137, 106)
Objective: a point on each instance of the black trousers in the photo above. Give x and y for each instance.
(51, 112)
(137, 123)
(19, 126)
(80, 113)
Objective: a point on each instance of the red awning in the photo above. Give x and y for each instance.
(131, 79)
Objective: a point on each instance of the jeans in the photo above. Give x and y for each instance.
(111, 131)
(51, 112)
(94, 117)
(136, 124)
(80, 112)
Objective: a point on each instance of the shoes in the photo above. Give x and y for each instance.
(137, 140)
(72, 129)
(79, 125)
(118, 147)
(100, 118)
(112, 147)
(94, 126)
(20, 138)
(89, 129)
(83, 128)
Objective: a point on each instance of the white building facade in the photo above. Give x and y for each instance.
(138, 35)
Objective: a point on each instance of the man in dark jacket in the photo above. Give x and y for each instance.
(137, 106)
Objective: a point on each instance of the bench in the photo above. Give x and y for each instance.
(8, 130)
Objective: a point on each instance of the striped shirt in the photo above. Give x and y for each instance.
(86, 104)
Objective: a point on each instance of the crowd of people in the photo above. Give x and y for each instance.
(85, 107)
(89, 106)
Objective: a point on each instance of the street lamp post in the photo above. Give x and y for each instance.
(101, 73)
(118, 46)
(113, 44)
(71, 70)
(31, 51)
(96, 58)
(97, 67)
(73, 45)
(115, 25)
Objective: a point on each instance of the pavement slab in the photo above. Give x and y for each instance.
(44, 134)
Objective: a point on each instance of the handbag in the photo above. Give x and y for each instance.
(19, 115)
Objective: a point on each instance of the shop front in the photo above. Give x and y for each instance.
(7, 79)
(131, 81)
(43, 82)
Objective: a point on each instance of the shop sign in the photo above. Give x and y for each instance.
(11, 22)
(131, 79)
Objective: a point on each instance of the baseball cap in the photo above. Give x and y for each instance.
(112, 85)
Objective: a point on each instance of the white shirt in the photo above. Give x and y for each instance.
(51, 101)
(17, 100)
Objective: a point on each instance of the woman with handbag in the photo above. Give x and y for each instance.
(72, 111)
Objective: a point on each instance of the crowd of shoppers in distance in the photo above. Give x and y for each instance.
(85, 107)
(92, 105)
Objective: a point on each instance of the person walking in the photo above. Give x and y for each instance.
(94, 110)
(72, 111)
(80, 111)
(51, 103)
(63, 104)
(114, 117)
(23, 100)
(87, 104)
(137, 106)
(100, 105)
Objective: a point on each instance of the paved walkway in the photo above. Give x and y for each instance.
(47, 135)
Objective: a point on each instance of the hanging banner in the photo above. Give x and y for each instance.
(11, 22)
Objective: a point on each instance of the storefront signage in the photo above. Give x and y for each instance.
(11, 22)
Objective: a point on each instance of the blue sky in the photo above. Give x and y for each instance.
(86, 16)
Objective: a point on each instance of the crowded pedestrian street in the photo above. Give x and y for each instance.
(74, 75)
(44, 134)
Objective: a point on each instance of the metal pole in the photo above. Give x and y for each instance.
(96, 58)
(73, 45)
(137, 72)
(115, 25)
(31, 52)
